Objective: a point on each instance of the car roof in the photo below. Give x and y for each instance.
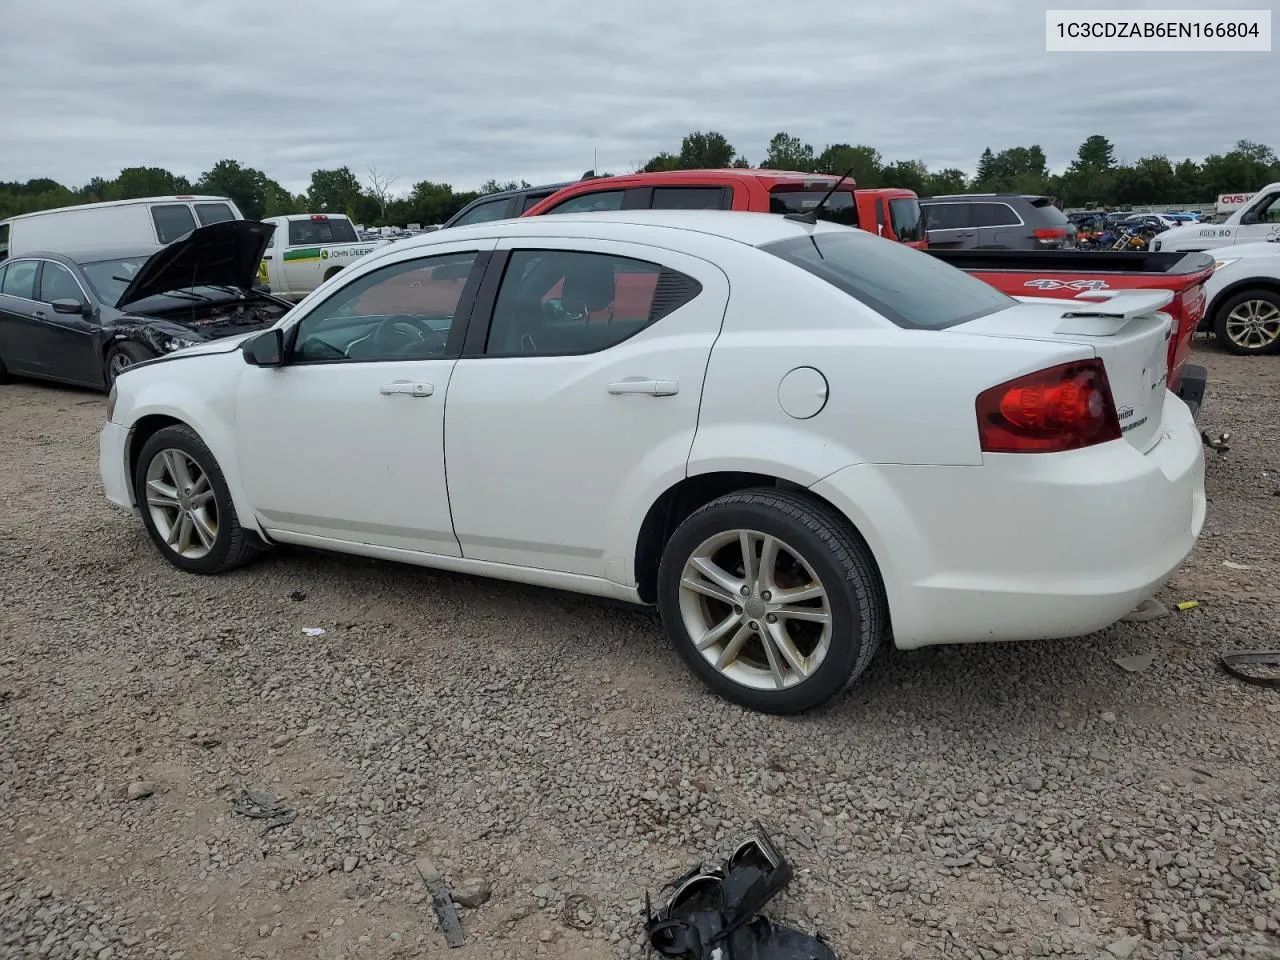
(740, 226)
(93, 254)
(717, 175)
(960, 197)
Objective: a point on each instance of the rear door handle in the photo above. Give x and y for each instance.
(40, 315)
(407, 387)
(652, 388)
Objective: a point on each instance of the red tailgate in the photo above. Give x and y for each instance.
(1187, 307)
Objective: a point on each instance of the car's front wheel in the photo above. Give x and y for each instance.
(772, 599)
(124, 355)
(1250, 322)
(185, 504)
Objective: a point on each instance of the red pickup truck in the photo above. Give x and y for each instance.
(892, 213)
(1065, 274)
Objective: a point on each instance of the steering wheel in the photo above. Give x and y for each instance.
(401, 335)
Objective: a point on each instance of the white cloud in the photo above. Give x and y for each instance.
(461, 92)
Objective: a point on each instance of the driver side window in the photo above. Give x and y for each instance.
(1269, 212)
(404, 311)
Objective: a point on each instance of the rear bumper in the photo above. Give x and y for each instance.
(1191, 388)
(1028, 546)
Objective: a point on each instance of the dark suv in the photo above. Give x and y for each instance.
(508, 203)
(996, 221)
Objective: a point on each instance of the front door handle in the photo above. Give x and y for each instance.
(652, 388)
(408, 387)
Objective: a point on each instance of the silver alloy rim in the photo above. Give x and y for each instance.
(182, 505)
(119, 363)
(755, 609)
(1254, 324)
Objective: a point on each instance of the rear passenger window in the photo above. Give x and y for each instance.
(994, 215)
(532, 200)
(324, 230)
(689, 198)
(213, 213)
(947, 216)
(590, 202)
(172, 221)
(568, 302)
(20, 280)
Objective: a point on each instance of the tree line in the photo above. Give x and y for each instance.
(1094, 177)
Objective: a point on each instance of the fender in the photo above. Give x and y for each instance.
(1248, 283)
(182, 400)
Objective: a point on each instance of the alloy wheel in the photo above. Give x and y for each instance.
(755, 609)
(182, 504)
(1254, 324)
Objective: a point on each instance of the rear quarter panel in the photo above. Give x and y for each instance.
(894, 395)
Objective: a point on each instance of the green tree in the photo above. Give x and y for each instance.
(245, 185)
(1096, 153)
(907, 174)
(493, 186)
(663, 161)
(943, 182)
(788, 153)
(333, 191)
(135, 182)
(706, 151)
(986, 168)
(741, 163)
(863, 160)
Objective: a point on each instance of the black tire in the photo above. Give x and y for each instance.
(835, 553)
(331, 271)
(123, 355)
(232, 546)
(1259, 295)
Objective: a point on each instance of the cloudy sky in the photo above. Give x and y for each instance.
(463, 91)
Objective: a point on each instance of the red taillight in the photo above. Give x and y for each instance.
(1062, 408)
(319, 216)
(1050, 234)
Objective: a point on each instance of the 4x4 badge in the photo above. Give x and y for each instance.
(1047, 284)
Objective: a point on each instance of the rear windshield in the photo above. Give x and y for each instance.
(908, 287)
(839, 209)
(321, 231)
(905, 216)
(1049, 213)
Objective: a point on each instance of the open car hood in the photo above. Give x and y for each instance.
(220, 254)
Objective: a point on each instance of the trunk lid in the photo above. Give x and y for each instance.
(219, 254)
(1127, 330)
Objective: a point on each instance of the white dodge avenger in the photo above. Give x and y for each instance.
(795, 439)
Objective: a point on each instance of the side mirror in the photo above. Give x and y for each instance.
(266, 349)
(71, 306)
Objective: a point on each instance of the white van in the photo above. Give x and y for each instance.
(148, 220)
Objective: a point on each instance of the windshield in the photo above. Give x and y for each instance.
(110, 278)
(839, 209)
(908, 287)
(905, 217)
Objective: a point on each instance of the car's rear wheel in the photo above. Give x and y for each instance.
(124, 355)
(1250, 322)
(772, 599)
(185, 504)
(332, 271)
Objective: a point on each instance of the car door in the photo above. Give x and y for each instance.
(18, 317)
(949, 226)
(999, 227)
(581, 401)
(66, 343)
(1261, 221)
(343, 445)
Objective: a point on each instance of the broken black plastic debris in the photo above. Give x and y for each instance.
(1232, 662)
(258, 804)
(715, 914)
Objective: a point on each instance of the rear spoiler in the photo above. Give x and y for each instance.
(1112, 310)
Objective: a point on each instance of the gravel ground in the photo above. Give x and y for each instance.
(1016, 800)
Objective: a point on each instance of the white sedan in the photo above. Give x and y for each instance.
(796, 439)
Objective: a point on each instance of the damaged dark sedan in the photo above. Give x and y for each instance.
(82, 317)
